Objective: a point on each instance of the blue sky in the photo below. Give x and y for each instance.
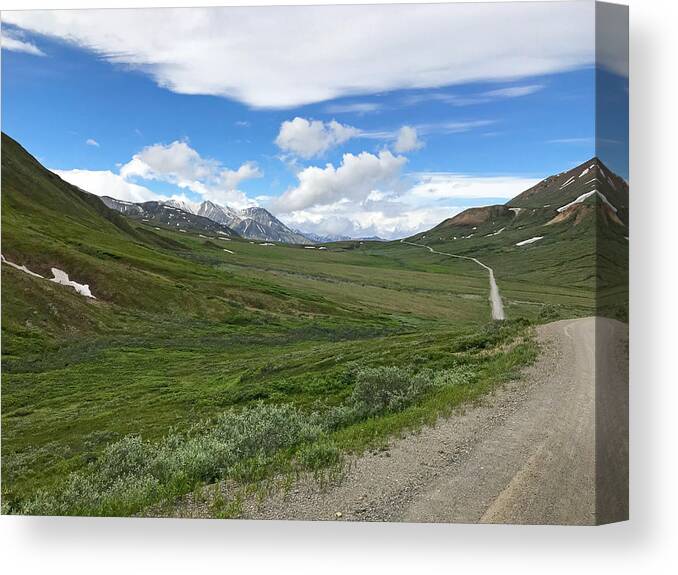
(371, 148)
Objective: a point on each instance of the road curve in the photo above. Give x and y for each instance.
(527, 454)
(495, 299)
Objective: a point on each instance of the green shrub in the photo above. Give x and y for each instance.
(379, 389)
(131, 473)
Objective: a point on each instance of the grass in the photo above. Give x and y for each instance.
(186, 342)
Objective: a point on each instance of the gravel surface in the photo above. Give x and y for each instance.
(525, 454)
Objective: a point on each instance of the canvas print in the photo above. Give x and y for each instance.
(344, 263)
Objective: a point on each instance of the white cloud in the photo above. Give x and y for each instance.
(587, 141)
(473, 99)
(308, 138)
(179, 164)
(399, 211)
(355, 220)
(407, 140)
(514, 91)
(290, 56)
(92, 142)
(107, 183)
(355, 108)
(10, 41)
(434, 186)
(354, 179)
(452, 127)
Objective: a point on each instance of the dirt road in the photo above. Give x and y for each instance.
(526, 455)
(496, 304)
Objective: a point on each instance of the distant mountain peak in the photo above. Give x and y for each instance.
(253, 223)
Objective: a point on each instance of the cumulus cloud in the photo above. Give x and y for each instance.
(357, 221)
(15, 43)
(107, 183)
(179, 164)
(280, 57)
(92, 142)
(354, 179)
(402, 210)
(308, 138)
(407, 140)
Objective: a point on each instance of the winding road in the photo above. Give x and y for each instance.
(495, 299)
(550, 448)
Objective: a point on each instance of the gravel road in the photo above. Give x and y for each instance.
(527, 454)
(496, 305)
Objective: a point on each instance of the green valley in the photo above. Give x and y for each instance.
(192, 338)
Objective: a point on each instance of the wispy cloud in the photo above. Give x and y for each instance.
(514, 91)
(354, 108)
(452, 127)
(589, 141)
(92, 142)
(575, 141)
(472, 99)
(16, 43)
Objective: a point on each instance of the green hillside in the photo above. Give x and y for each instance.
(580, 264)
(185, 329)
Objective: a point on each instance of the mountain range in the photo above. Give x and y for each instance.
(250, 223)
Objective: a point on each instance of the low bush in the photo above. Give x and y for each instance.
(131, 473)
(246, 445)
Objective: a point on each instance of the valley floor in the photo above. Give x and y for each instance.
(525, 454)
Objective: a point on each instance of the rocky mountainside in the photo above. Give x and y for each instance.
(575, 197)
(251, 223)
(165, 215)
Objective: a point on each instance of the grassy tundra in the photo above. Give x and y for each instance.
(194, 364)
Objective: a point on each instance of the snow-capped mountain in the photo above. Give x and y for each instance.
(250, 223)
(324, 239)
(181, 205)
(166, 215)
(260, 224)
(222, 214)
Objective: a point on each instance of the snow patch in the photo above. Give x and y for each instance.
(309, 247)
(20, 268)
(494, 233)
(516, 211)
(530, 241)
(267, 244)
(323, 247)
(61, 277)
(567, 183)
(229, 251)
(583, 197)
(593, 180)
